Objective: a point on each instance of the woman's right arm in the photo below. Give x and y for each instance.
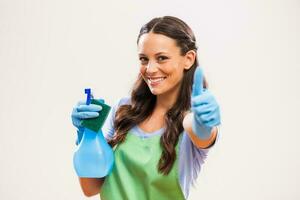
(91, 186)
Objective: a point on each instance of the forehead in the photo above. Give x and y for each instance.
(151, 43)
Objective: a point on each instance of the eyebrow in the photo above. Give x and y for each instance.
(141, 54)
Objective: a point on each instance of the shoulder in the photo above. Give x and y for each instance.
(121, 101)
(108, 127)
(124, 101)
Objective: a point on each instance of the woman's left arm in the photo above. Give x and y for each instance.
(197, 141)
(201, 124)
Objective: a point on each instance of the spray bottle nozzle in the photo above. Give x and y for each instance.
(89, 96)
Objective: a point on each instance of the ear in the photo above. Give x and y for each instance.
(189, 59)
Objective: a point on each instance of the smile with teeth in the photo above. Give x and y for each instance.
(155, 81)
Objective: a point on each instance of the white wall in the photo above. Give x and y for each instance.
(51, 50)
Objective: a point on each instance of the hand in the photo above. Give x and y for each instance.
(204, 106)
(82, 111)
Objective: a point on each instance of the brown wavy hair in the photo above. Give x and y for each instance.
(143, 101)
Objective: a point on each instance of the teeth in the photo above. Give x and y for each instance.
(155, 80)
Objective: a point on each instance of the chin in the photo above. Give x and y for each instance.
(155, 91)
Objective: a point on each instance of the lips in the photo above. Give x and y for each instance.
(156, 80)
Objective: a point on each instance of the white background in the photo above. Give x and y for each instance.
(51, 50)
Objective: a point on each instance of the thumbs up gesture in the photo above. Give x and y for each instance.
(204, 107)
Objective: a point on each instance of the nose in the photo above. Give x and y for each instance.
(151, 68)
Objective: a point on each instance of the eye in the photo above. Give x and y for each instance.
(161, 58)
(143, 60)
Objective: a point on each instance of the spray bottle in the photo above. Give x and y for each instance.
(93, 157)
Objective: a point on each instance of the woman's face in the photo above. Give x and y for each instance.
(161, 64)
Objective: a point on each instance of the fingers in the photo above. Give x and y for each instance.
(205, 98)
(91, 107)
(83, 111)
(82, 102)
(85, 115)
(204, 109)
(210, 119)
(198, 82)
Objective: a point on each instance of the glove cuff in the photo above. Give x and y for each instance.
(200, 130)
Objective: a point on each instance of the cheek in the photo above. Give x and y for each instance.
(172, 70)
(143, 70)
(171, 67)
(176, 75)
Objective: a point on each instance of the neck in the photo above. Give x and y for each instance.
(166, 100)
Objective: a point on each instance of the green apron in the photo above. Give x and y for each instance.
(135, 175)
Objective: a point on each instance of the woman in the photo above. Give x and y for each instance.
(161, 133)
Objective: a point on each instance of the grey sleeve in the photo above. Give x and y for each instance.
(191, 159)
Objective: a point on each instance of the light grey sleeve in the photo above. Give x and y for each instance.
(191, 159)
(108, 126)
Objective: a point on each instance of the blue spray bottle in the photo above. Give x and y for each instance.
(93, 157)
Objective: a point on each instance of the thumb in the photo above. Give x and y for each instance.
(198, 82)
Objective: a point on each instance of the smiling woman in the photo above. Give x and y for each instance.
(162, 65)
(161, 133)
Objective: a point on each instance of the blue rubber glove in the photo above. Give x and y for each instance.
(204, 106)
(82, 111)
